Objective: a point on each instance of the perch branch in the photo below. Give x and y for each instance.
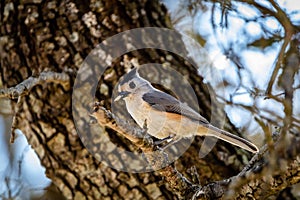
(137, 136)
(253, 174)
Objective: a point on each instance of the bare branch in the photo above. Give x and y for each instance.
(259, 174)
(289, 29)
(253, 173)
(25, 86)
(16, 117)
(177, 182)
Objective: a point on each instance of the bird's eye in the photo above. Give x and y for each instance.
(132, 85)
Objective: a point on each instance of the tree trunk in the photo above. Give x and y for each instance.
(47, 36)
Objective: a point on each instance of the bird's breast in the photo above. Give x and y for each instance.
(160, 124)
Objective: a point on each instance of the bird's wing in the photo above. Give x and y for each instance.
(164, 102)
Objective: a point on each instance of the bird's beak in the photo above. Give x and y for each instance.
(121, 95)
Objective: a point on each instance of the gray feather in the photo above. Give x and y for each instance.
(165, 102)
(130, 75)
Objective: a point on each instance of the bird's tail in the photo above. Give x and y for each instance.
(228, 137)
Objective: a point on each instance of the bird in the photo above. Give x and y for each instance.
(165, 116)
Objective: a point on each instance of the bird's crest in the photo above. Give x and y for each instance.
(133, 73)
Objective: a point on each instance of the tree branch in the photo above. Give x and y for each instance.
(25, 86)
(259, 173)
(177, 182)
(285, 22)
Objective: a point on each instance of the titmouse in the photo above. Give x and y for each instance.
(167, 117)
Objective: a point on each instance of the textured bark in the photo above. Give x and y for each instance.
(39, 36)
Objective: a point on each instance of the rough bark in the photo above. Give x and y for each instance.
(48, 36)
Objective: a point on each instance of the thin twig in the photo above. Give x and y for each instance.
(16, 116)
(284, 20)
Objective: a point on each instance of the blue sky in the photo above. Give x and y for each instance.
(258, 64)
